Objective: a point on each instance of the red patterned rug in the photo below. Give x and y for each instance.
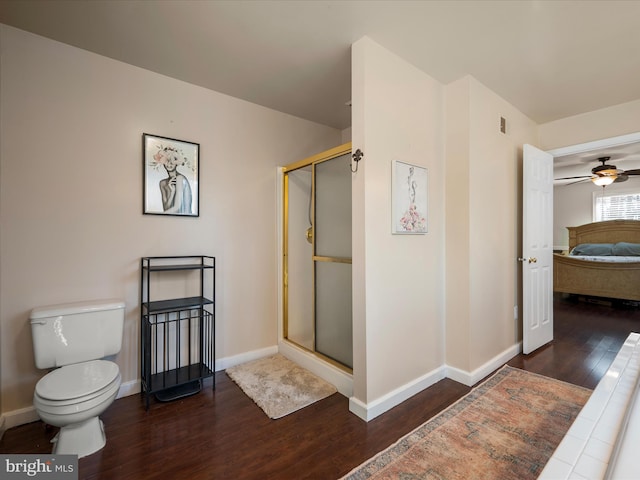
(506, 428)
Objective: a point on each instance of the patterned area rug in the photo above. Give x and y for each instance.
(279, 386)
(506, 428)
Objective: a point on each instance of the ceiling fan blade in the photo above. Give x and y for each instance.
(586, 179)
(635, 171)
(623, 177)
(572, 178)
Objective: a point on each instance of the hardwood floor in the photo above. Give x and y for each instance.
(222, 434)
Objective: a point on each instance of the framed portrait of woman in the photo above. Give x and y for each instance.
(171, 176)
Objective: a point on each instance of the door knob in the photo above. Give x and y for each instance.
(530, 259)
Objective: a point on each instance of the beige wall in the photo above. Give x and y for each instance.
(457, 225)
(72, 227)
(496, 207)
(599, 124)
(398, 279)
(483, 222)
(71, 199)
(409, 326)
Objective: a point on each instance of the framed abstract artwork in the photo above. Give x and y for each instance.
(171, 176)
(408, 198)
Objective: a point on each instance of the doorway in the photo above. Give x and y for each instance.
(538, 317)
(317, 301)
(574, 199)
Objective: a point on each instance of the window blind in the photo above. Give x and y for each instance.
(612, 207)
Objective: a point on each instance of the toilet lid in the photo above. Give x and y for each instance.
(78, 380)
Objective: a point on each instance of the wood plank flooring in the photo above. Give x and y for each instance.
(222, 434)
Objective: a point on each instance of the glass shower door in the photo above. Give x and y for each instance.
(332, 260)
(317, 255)
(299, 301)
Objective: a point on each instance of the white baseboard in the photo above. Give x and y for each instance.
(18, 417)
(342, 380)
(368, 411)
(129, 388)
(392, 399)
(224, 363)
(471, 378)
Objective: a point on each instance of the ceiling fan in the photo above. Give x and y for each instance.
(604, 174)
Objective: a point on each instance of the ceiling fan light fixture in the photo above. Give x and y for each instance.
(604, 180)
(603, 175)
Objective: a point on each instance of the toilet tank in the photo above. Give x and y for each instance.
(76, 332)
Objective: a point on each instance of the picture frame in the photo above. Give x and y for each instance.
(409, 193)
(171, 176)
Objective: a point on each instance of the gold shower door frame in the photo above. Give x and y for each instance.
(312, 162)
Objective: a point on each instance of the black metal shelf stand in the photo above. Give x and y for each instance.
(177, 339)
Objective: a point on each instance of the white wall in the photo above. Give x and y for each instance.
(398, 280)
(71, 196)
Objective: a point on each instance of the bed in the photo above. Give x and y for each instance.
(598, 275)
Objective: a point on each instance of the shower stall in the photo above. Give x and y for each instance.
(317, 256)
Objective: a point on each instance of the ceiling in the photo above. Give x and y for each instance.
(550, 59)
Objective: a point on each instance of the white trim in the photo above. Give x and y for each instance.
(224, 363)
(358, 408)
(471, 378)
(369, 411)
(19, 417)
(129, 388)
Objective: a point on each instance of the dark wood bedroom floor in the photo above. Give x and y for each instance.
(224, 435)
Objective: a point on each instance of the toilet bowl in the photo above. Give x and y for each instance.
(72, 398)
(75, 338)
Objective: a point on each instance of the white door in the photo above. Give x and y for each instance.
(537, 248)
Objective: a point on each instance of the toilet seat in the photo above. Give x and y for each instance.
(77, 382)
(59, 393)
(77, 405)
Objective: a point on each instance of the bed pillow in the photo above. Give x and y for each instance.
(593, 249)
(626, 249)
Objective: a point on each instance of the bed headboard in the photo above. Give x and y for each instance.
(611, 231)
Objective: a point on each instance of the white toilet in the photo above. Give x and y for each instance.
(76, 337)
